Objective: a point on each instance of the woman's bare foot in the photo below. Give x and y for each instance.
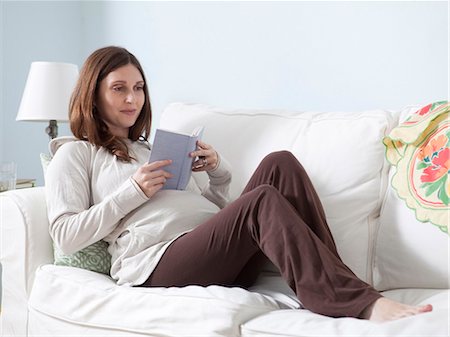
(385, 309)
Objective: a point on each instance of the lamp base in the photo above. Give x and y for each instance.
(52, 129)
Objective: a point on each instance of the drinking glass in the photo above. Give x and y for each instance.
(8, 176)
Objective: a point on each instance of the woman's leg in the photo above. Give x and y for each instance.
(266, 219)
(284, 172)
(263, 220)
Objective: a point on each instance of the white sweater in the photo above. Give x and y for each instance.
(91, 196)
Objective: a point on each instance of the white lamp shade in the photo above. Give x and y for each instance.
(47, 92)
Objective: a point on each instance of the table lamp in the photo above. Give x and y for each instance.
(47, 94)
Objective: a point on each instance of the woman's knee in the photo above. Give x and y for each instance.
(281, 158)
(265, 190)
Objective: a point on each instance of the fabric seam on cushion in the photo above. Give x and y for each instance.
(373, 226)
(313, 115)
(383, 194)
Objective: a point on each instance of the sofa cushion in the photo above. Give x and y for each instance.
(341, 151)
(293, 323)
(92, 299)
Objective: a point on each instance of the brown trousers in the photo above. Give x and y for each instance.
(278, 216)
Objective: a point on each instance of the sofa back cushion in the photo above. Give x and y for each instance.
(341, 151)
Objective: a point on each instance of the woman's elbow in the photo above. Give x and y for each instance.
(62, 242)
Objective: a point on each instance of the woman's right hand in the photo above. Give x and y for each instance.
(151, 178)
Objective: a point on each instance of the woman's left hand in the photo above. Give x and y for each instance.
(208, 158)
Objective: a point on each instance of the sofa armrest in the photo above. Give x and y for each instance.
(25, 244)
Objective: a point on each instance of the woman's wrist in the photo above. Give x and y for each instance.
(217, 163)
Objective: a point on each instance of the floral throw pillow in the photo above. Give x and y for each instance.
(94, 257)
(420, 149)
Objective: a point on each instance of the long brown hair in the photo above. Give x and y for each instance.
(85, 121)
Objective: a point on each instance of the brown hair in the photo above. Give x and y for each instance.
(85, 121)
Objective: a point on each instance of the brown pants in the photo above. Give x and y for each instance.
(278, 216)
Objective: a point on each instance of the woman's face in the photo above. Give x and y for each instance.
(120, 99)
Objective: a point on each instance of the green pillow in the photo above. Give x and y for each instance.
(94, 257)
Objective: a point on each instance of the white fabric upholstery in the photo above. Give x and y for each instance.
(25, 244)
(344, 156)
(75, 295)
(306, 324)
(409, 253)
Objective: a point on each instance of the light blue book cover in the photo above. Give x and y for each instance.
(175, 146)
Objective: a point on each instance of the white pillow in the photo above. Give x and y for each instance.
(45, 161)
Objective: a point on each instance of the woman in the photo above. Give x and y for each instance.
(101, 187)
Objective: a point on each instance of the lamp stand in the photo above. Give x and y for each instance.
(52, 129)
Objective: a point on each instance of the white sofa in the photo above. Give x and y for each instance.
(376, 235)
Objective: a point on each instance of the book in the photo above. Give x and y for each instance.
(177, 147)
(25, 183)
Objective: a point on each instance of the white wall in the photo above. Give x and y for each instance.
(292, 55)
(32, 31)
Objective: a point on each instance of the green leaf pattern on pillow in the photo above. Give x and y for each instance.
(94, 257)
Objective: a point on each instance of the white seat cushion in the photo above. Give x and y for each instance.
(94, 300)
(303, 323)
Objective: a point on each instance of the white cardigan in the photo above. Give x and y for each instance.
(91, 196)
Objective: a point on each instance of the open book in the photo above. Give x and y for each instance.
(176, 146)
